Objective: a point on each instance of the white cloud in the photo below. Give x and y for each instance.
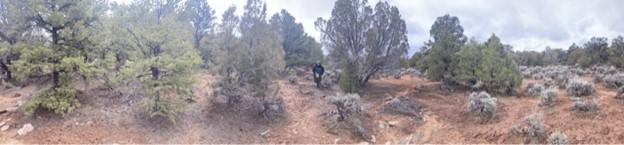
(524, 24)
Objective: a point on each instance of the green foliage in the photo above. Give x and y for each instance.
(155, 107)
(299, 48)
(252, 60)
(348, 81)
(489, 63)
(448, 39)
(201, 16)
(67, 53)
(616, 52)
(369, 38)
(60, 100)
(161, 57)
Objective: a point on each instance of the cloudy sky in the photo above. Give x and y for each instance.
(525, 24)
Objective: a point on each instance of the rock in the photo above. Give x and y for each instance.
(393, 123)
(25, 129)
(11, 109)
(2, 123)
(4, 128)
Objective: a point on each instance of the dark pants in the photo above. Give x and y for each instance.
(317, 79)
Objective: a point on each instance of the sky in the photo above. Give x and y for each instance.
(524, 24)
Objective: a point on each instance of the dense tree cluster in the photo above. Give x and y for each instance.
(597, 51)
(156, 44)
(449, 58)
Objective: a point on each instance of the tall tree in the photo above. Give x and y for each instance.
(70, 26)
(14, 28)
(597, 50)
(201, 16)
(299, 48)
(366, 38)
(448, 38)
(491, 63)
(249, 62)
(616, 52)
(161, 58)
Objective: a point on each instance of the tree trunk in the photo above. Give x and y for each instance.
(55, 79)
(4, 67)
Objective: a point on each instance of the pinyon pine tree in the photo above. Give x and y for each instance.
(65, 56)
(162, 57)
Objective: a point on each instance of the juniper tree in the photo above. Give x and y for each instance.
(14, 29)
(161, 58)
(370, 39)
(490, 63)
(250, 62)
(201, 16)
(68, 53)
(299, 47)
(448, 38)
(616, 52)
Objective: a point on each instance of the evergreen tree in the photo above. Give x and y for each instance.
(201, 16)
(14, 29)
(448, 38)
(299, 48)
(370, 39)
(69, 53)
(249, 62)
(161, 58)
(491, 63)
(616, 52)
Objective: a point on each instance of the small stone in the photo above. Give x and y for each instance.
(393, 123)
(11, 109)
(2, 123)
(25, 129)
(4, 128)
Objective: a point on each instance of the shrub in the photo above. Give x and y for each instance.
(60, 100)
(482, 105)
(585, 105)
(226, 91)
(548, 97)
(347, 114)
(155, 107)
(532, 128)
(534, 90)
(270, 108)
(561, 81)
(614, 81)
(348, 81)
(620, 93)
(557, 138)
(403, 106)
(578, 87)
(347, 105)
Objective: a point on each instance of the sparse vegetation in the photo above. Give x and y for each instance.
(482, 105)
(534, 90)
(584, 105)
(620, 94)
(403, 106)
(347, 115)
(532, 129)
(557, 138)
(580, 88)
(548, 97)
(182, 71)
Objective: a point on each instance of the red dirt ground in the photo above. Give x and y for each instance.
(108, 118)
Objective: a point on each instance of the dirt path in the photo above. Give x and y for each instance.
(108, 118)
